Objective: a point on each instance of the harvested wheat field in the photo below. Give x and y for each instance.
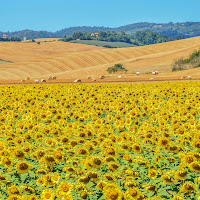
(69, 61)
(45, 40)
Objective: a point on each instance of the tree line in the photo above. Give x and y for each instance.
(139, 39)
(12, 39)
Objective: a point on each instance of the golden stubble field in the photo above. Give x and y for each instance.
(69, 61)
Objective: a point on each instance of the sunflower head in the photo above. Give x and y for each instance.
(6, 161)
(177, 197)
(152, 174)
(84, 195)
(167, 179)
(101, 185)
(28, 189)
(136, 148)
(64, 189)
(112, 192)
(14, 190)
(19, 154)
(47, 195)
(187, 188)
(195, 166)
(132, 193)
(22, 167)
(49, 159)
(181, 175)
(33, 197)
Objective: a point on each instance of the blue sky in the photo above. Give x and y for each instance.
(54, 15)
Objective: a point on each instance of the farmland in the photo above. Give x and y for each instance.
(101, 141)
(103, 43)
(69, 61)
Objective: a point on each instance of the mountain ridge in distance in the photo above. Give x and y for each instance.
(186, 29)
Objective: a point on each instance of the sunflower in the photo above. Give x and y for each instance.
(130, 184)
(48, 180)
(41, 171)
(69, 169)
(109, 159)
(55, 178)
(23, 197)
(49, 159)
(2, 146)
(64, 189)
(112, 192)
(173, 149)
(196, 144)
(84, 195)
(13, 190)
(19, 154)
(195, 166)
(40, 153)
(189, 158)
(40, 181)
(181, 175)
(58, 156)
(96, 162)
(136, 148)
(47, 195)
(93, 175)
(152, 174)
(152, 188)
(28, 137)
(28, 189)
(80, 187)
(6, 161)
(27, 148)
(33, 197)
(101, 185)
(22, 167)
(113, 166)
(163, 142)
(177, 197)
(68, 197)
(187, 188)
(82, 151)
(2, 177)
(132, 193)
(108, 177)
(197, 156)
(167, 179)
(13, 197)
(84, 179)
(64, 140)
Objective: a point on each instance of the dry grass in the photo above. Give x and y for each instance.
(69, 61)
(45, 40)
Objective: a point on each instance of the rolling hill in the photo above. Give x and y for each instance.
(186, 29)
(71, 61)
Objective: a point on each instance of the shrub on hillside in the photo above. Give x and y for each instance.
(116, 68)
(193, 61)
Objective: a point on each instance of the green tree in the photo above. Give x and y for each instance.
(67, 39)
(77, 35)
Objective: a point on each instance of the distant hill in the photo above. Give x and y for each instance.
(186, 29)
(29, 34)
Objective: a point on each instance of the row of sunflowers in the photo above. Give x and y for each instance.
(100, 141)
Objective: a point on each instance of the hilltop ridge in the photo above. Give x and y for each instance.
(184, 29)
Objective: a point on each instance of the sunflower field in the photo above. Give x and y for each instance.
(100, 141)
